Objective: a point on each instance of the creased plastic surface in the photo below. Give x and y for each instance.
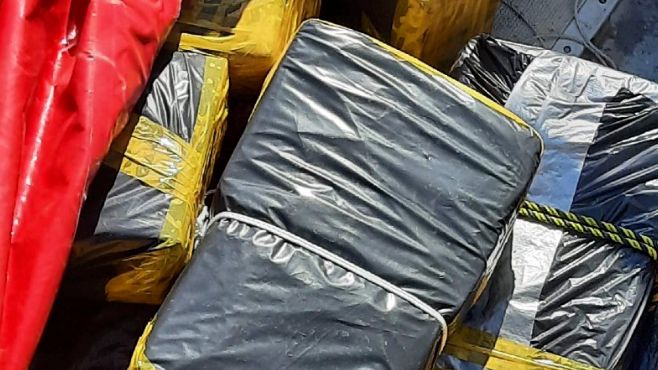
(431, 30)
(645, 355)
(280, 306)
(491, 67)
(380, 160)
(137, 226)
(574, 297)
(252, 34)
(75, 69)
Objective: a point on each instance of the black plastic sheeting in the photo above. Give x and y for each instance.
(595, 292)
(617, 184)
(122, 216)
(89, 335)
(644, 116)
(491, 67)
(645, 357)
(377, 160)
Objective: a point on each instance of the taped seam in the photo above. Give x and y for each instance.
(156, 156)
(497, 353)
(365, 274)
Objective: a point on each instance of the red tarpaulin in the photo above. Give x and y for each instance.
(71, 71)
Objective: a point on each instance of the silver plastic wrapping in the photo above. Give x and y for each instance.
(572, 296)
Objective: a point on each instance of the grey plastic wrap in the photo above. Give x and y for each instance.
(575, 297)
(380, 162)
(271, 303)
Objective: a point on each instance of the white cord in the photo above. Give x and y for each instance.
(554, 36)
(599, 54)
(347, 265)
(588, 43)
(202, 224)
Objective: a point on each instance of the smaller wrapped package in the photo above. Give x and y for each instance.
(252, 34)
(431, 30)
(569, 301)
(360, 215)
(137, 225)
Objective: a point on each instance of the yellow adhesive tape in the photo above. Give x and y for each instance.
(493, 353)
(162, 160)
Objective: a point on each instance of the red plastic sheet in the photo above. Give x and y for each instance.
(71, 71)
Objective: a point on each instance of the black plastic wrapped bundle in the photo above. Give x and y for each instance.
(361, 213)
(137, 225)
(577, 302)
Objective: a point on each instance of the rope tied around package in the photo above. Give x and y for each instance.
(589, 226)
(343, 263)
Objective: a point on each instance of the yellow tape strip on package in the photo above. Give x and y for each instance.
(162, 160)
(494, 353)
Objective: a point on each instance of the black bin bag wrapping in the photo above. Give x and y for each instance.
(575, 302)
(360, 215)
(137, 225)
(645, 356)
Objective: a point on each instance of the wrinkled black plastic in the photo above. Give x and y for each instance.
(267, 303)
(595, 292)
(88, 335)
(122, 216)
(645, 355)
(491, 67)
(592, 281)
(358, 148)
(382, 162)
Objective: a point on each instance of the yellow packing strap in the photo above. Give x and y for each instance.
(139, 361)
(162, 160)
(155, 156)
(493, 353)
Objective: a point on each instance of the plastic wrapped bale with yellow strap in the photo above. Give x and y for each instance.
(431, 30)
(252, 34)
(575, 301)
(360, 215)
(136, 228)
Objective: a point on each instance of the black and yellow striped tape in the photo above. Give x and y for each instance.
(589, 226)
